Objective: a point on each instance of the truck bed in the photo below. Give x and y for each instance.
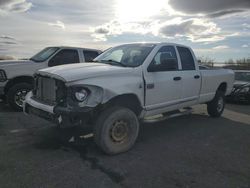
(211, 79)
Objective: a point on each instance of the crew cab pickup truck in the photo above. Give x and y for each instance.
(16, 77)
(123, 85)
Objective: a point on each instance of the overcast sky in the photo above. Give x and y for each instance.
(219, 29)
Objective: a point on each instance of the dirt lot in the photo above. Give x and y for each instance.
(190, 151)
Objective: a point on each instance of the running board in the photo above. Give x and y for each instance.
(167, 115)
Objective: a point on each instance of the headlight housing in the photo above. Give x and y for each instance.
(245, 90)
(81, 94)
(3, 76)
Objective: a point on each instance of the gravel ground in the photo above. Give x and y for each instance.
(189, 151)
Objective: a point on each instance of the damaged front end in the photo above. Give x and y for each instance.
(67, 106)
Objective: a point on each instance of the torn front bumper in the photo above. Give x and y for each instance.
(61, 115)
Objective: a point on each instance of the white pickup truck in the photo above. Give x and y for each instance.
(126, 84)
(16, 77)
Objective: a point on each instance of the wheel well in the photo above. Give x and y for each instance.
(222, 87)
(20, 79)
(130, 101)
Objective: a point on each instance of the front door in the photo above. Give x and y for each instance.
(163, 84)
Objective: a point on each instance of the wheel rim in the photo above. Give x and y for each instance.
(119, 131)
(220, 104)
(20, 97)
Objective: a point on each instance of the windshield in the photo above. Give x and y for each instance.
(44, 54)
(242, 76)
(130, 55)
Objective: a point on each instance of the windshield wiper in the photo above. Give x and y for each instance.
(113, 62)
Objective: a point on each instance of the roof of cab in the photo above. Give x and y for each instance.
(155, 43)
(71, 47)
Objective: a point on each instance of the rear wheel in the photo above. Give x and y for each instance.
(216, 107)
(16, 95)
(116, 130)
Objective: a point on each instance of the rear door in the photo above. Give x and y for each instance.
(190, 74)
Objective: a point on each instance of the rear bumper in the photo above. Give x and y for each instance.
(64, 116)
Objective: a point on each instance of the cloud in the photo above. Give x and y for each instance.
(114, 28)
(245, 46)
(115, 22)
(57, 24)
(222, 47)
(212, 7)
(84, 12)
(223, 13)
(14, 6)
(245, 25)
(7, 37)
(195, 30)
(7, 40)
(102, 30)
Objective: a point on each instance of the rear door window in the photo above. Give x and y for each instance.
(187, 60)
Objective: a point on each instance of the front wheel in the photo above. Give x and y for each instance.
(116, 130)
(16, 95)
(216, 107)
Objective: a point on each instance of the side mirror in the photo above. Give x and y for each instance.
(51, 63)
(152, 68)
(54, 61)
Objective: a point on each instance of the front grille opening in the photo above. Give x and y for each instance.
(49, 90)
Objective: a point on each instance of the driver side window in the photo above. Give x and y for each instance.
(63, 57)
(164, 60)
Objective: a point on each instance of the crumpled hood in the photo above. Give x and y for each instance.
(79, 71)
(14, 63)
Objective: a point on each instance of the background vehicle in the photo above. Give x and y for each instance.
(241, 88)
(126, 84)
(16, 77)
(203, 67)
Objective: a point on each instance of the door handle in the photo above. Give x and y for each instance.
(177, 78)
(150, 86)
(196, 76)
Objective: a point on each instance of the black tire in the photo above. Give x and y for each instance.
(12, 94)
(107, 127)
(216, 107)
